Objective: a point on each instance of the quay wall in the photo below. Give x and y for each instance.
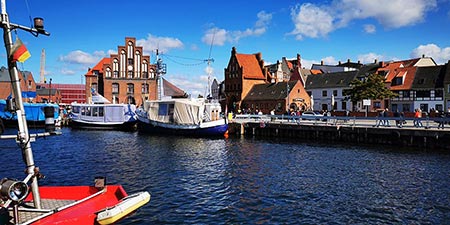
(393, 136)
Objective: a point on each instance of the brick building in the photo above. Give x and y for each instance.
(243, 71)
(125, 77)
(27, 85)
(251, 85)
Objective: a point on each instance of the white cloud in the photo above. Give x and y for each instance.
(370, 28)
(80, 57)
(67, 72)
(221, 36)
(370, 58)
(164, 44)
(316, 21)
(440, 55)
(311, 21)
(392, 14)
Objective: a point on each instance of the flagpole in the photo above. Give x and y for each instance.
(23, 134)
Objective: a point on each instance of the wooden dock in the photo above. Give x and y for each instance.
(347, 130)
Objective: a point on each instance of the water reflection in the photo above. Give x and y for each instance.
(250, 181)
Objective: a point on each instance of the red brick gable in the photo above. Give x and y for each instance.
(251, 68)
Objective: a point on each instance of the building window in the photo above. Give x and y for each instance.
(108, 72)
(144, 88)
(335, 93)
(94, 87)
(324, 93)
(130, 88)
(438, 93)
(397, 81)
(152, 74)
(29, 84)
(130, 61)
(130, 74)
(377, 105)
(344, 106)
(115, 88)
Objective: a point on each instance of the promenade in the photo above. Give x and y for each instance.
(362, 130)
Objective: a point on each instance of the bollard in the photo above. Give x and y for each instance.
(49, 113)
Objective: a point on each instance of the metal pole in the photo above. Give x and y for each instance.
(23, 135)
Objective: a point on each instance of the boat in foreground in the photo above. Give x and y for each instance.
(24, 201)
(188, 117)
(103, 116)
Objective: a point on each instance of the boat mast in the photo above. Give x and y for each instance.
(161, 69)
(23, 135)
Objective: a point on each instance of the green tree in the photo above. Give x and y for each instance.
(373, 87)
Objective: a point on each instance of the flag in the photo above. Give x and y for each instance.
(19, 52)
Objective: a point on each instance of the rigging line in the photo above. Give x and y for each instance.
(184, 64)
(29, 13)
(181, 57)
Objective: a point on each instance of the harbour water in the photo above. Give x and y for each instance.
(248, 181)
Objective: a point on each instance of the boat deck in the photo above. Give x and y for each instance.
(28, 214)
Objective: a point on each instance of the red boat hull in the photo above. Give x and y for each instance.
(83, 212)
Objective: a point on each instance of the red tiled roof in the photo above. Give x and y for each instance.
(250, 66)
(99, 66)
(407, 75)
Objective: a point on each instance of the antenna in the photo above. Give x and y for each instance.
(209, 69)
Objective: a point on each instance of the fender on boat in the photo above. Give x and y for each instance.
(126, 206)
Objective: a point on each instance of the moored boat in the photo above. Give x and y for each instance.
(103, 116)
(35, 113)
(188, 117)
(24, 201)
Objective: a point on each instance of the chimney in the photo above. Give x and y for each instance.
(423, 55)
(321, 62)
(359, 61)
(339, 62)
(376, 61)
(299, 61)
(348, 60)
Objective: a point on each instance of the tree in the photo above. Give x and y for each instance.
(373, 87)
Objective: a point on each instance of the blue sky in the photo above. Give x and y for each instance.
(83, 32)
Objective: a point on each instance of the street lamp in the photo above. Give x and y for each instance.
(49, 91)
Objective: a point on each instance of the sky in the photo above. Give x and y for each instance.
(188, 33)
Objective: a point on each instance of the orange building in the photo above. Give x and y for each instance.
(125, 77)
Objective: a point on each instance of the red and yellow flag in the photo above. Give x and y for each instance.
(19, 52)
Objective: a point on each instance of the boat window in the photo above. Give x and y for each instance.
(76, 109)
(94, 111)
(171, 109)
(100, 111)
(163, 109)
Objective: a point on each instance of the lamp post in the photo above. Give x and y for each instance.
(50, 91)
(287, 95)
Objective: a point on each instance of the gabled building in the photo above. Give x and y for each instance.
(125, 77)
(400, 76)
(27, 85)
(340, 67)
(243, 71)
(279, 96)
(446, 85)
(326, 90)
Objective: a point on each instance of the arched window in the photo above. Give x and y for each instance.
(145, 69)
(123, 63)
(137, 64)
(115, 68)
(108, 72)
